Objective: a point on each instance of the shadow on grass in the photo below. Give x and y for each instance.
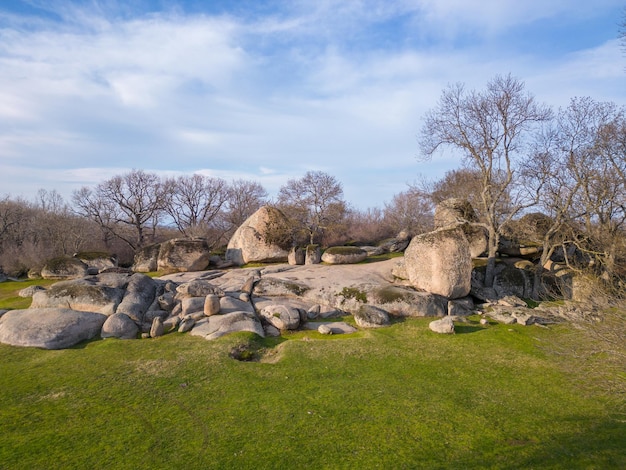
(464, 329)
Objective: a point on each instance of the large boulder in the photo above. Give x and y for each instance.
(183, 254)
(49, 328)
(216, 326)
(119, 326)
(440, 262)
(96, 260)
(146, 258)
(253, 241)
(344, 255)
(88, 295)
(64, 268)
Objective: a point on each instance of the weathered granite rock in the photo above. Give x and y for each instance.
(64, 268)
(186, 324)
(216, 326)
(439, 262)
(49, 328)
(249, 243)
(281, 316)
(230, 304)
(199, 288)
(184, 254)
(324, 329)
(460, 307)
(119, 326)
(344, 255)
(312, 255)
(444, 325)
(336, 327)
(98, 261)
(140, 293)
(146, 258)
(157, 328)
(368, 316)
(86, 295)
(192, 305)
(30, 291)
(211, 305)
(296, 256)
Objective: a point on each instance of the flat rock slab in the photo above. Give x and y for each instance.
(49, 328)
(336, 327)
(219, 325)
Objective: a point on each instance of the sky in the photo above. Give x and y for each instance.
(268, 90)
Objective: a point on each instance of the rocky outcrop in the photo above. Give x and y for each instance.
(253, 241)
(64, 268)
(93, 294)
(177, 254)
(442, 326)
(183, 254)
(140, 293)
(344, 255)
(97, 261)
(369, 316)
(439, 262)
(49, 328)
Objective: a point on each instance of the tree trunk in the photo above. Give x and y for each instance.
(491, 258)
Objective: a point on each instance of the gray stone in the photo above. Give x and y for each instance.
(368, 316)
(197, 288)
(192, 304)
(296, 256)
(82, 295)
(229, 304)
(119, 326)
(324, 329)
(211, 305)
(49, 328)
(30, 291)
(186, 324)
(157, 328)
(313, 312)
(439, 262)
(140, 293)
(183, 254)
(64, 268)
(215, 326)
(313, 255)
(146, 259)
(281, 316)
(271, 331)
(344, 255)
(444, 325)
(336, 327)
(249, 243)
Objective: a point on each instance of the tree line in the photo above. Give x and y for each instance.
(518, 156)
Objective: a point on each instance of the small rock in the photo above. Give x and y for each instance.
(211, 305)
(484, 321)
(30, 291)
(271, 330)
(186, 324)
(444, 325)
(313, 312)
(157, 328)
(368, 316)
(325, 329)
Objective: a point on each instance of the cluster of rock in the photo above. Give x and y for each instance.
(434, 278)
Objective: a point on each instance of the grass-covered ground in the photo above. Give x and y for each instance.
(399, 397)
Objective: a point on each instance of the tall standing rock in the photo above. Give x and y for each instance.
(253, 241)
(439, 262)
(184, 254)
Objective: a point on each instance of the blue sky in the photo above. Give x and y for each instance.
(267, 90)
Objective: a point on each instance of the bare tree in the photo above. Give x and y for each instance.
(195, 202)
(409, 210)
(126, 205)
(245, 197)
(492, 130)
(314, 202)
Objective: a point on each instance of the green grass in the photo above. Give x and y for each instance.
(9, 298)
(396, 397)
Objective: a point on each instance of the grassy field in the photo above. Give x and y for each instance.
(400, 397)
